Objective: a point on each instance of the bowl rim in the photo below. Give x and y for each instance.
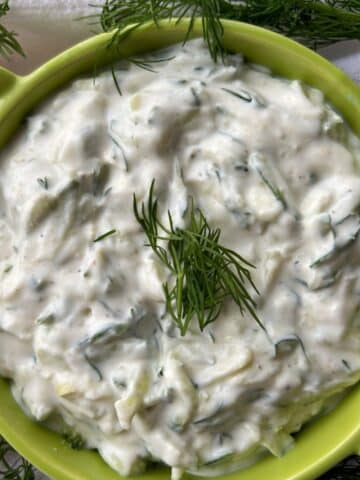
(18, 94)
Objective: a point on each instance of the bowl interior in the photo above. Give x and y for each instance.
(320, 444)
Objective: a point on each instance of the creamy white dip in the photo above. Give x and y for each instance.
(84, 332)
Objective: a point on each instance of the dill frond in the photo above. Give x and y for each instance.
(204, 273)
(315, 23)
(8, 42)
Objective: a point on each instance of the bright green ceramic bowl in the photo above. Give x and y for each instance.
(320, 444)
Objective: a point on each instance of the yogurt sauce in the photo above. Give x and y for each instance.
(84, 334)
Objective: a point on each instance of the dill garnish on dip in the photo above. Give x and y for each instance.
(180, 262)
(206, 273)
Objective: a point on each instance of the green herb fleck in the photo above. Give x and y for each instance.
(116, 142)
(117, 86)
(119, 383)
(44, 183)
(211, 419)
(73, 440)
(242, 94)
(104, 335)
(94, 367)
(197, 101)
(346, 364)
(212, 337)
(8, 41)
(147, 64)
(46, 319)
(287, 345)
(105, 235)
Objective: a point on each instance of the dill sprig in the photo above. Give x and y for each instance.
(204, 273)
(19, 469)
(8, 41)
(317, 22)
(118, 14)
(275, 190)
(314, 23)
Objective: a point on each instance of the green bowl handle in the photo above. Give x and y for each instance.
(7, 81)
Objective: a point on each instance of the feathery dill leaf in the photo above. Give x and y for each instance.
(316, 22)
(205, 273)
(118, 14)
(19, 469)
(8, 41)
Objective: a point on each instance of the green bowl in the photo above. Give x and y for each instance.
(320, 444)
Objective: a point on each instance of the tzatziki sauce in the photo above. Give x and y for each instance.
(85, 336)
